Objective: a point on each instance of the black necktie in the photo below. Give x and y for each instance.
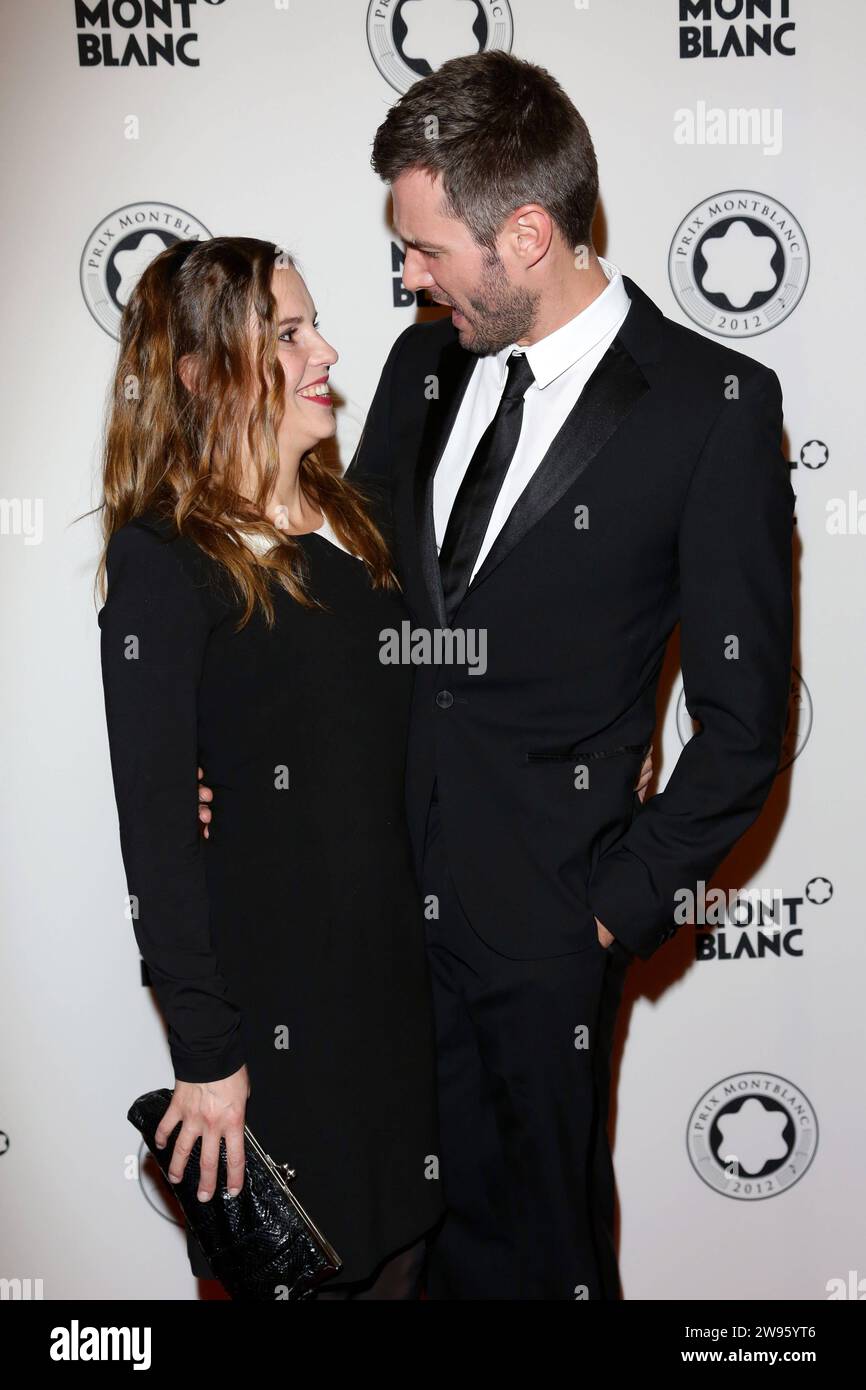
(482, 481)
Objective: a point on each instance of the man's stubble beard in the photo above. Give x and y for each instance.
(502, 313)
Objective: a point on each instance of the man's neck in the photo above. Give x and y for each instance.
(571, 292)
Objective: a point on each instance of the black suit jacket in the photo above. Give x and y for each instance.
(674, 451)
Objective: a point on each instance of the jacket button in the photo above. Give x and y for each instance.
(444, 699)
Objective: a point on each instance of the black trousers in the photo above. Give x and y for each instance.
(524, 1155)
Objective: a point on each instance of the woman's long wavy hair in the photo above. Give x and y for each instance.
(179, 453)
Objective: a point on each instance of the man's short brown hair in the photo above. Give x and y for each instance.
(504, 134)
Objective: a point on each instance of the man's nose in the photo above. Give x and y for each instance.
(415, 277)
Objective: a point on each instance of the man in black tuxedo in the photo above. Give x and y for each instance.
(572, 475)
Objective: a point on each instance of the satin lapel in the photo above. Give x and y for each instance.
(453, 371)
(616, 385)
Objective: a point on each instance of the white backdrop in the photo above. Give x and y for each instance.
(262, 126)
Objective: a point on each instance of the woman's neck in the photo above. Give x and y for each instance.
(287, 507)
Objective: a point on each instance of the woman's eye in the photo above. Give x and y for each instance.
(289, 333)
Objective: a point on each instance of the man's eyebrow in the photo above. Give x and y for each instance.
(431, 245)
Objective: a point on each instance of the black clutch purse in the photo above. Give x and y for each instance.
(255, 1243)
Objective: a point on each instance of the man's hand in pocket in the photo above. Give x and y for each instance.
(605, 937)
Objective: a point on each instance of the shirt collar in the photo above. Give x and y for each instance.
(551, 356)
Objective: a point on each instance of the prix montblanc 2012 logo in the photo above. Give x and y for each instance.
(409, 39)
(752, 1135)
(119, 248)
(738, 263)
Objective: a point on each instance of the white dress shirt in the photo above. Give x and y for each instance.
(256, 541)
(561, 363)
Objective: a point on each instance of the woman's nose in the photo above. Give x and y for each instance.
(328, 355)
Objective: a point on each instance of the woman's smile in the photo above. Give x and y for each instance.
(317, 391)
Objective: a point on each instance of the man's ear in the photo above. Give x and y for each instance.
(187, 370)
(530, 231)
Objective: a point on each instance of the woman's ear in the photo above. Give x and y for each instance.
(187, 370)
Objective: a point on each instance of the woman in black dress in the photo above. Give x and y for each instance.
(247, 586)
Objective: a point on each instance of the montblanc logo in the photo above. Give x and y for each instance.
(797, 728)
(137, 33)
(119, 248)
(813, 454)
(738, 263)
(409, 39)
(750, 923)
(752, 1135)
(736, 28)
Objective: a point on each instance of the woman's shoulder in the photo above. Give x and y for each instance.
(150, 552)
(151, 537)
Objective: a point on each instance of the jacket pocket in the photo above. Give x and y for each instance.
(567, 755)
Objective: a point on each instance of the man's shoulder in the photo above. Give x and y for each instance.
(711, 357)
(685, 357)
(697, 358)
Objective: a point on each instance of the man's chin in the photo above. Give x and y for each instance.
(472, 343)
(469, 340)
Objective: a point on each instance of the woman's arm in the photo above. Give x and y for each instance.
(154, 634)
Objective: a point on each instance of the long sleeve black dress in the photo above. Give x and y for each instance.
(292, 939)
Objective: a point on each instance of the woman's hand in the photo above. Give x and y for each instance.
(643, 781)
(210, 1110)
(204, 796)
